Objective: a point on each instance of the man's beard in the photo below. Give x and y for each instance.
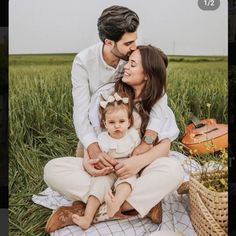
(119, 55)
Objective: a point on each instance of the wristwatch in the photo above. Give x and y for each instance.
(148, 140)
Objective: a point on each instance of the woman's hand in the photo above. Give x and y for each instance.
(132, 165)
(128, 167)
(142, 148)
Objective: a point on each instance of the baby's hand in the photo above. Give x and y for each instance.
(106, 160)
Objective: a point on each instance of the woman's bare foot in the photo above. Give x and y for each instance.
(112, 204)
(83, 221)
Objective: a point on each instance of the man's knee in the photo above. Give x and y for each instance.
(49, 170)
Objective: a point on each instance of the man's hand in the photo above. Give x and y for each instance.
(105, 160)
(89, 165)
(128, 167)
(142, 148)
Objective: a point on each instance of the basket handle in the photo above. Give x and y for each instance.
(217, 228)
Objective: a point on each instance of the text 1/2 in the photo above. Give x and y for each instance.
(209, 2)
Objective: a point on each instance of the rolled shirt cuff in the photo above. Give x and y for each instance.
(164, 129)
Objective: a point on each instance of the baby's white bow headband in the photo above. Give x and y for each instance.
(112, 98)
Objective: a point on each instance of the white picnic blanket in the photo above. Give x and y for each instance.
(175, 212)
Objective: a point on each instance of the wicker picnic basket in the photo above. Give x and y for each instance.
(208, 209)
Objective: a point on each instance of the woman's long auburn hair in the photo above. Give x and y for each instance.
(154, 63)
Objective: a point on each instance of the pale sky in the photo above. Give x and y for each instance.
(178, 27)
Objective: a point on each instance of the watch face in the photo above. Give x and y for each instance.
(148, 140)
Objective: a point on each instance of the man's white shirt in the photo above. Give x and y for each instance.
(89, 72)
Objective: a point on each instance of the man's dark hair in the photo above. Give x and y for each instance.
(115, 21)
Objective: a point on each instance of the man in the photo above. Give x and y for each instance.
(93, 68)
(98, 65)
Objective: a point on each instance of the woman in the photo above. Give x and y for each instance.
(144, 80)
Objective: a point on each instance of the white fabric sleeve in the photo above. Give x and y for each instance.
(162, 120)
(81, 101)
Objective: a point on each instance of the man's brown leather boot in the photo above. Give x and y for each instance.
(155, 214)
(62, 216)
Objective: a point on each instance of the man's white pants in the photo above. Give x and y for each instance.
(67, 176)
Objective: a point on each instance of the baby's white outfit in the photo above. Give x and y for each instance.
(116, 148)
(119, 148)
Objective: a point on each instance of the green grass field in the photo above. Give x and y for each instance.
(41, 126)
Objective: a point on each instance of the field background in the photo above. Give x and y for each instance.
(41, 126)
